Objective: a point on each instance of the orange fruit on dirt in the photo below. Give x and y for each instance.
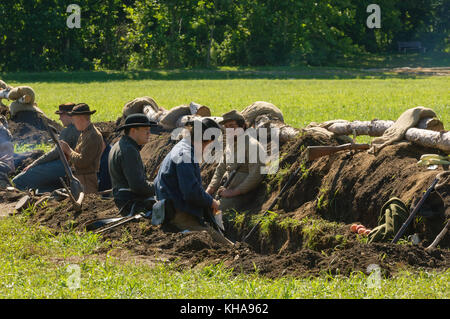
(362, 230)
(359, 227)
(353, 228)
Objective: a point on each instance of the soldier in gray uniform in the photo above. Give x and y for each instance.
(44, 173)
(128, 178)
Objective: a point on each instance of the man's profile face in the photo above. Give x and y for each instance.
(81, 121)
(65, 119)
(140, 134)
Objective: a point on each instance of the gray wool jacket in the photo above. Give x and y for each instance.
(127, 170)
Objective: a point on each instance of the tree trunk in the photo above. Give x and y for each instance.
(429, 131)
(374, 127)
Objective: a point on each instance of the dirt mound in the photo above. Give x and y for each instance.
(194, 249)
(307, 234)
(28, 127)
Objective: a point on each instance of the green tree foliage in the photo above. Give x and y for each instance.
(131, 34)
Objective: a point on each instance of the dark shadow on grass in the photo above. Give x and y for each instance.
(199, 74)
(366, 67)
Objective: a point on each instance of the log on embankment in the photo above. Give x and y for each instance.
(429, 131)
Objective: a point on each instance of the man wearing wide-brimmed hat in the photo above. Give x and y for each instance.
(85, 158)
(129, 181)
(44, 173)
(248, 169)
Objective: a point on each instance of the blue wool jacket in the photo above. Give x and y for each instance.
(179, 179)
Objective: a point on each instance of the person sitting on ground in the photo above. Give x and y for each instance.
(6, 154)
(179, 182)
(128, 178)
(248, 171)
(44, 173)
(85, 158)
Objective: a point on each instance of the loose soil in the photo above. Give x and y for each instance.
(330, 192)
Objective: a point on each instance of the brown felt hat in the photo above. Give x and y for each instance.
(65, 108)
(232, 116)
(81, 109)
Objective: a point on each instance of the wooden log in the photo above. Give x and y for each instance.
(374, 127)
(427, 138)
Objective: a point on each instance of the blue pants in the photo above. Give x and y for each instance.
(43, 177)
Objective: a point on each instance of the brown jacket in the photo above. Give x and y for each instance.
(88, 151)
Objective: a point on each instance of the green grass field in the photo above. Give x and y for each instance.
(34, 263)
(303, 95)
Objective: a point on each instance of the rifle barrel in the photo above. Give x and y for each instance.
(314, 152)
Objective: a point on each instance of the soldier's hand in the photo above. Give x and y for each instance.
(65, 147)
(210, 190)
(226, 193)
(215, 205)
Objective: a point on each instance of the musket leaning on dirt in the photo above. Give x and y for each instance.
(314, 152)
(424, 197)
(414, 212)
(76, 191)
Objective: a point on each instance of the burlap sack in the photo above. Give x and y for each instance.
(25, 92)
(137, 105)
(397, 131)
(169, 120)
(3, 85)
(258, 108)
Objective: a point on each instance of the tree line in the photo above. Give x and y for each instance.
(131, 34)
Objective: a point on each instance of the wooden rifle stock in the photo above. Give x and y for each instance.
(314, 152)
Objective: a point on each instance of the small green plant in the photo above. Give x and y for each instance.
(22, 148)
(266, 222)
(289, 223)
(315, 229)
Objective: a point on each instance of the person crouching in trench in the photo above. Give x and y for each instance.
(129, 180)
(179, 181)
(86, 156)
